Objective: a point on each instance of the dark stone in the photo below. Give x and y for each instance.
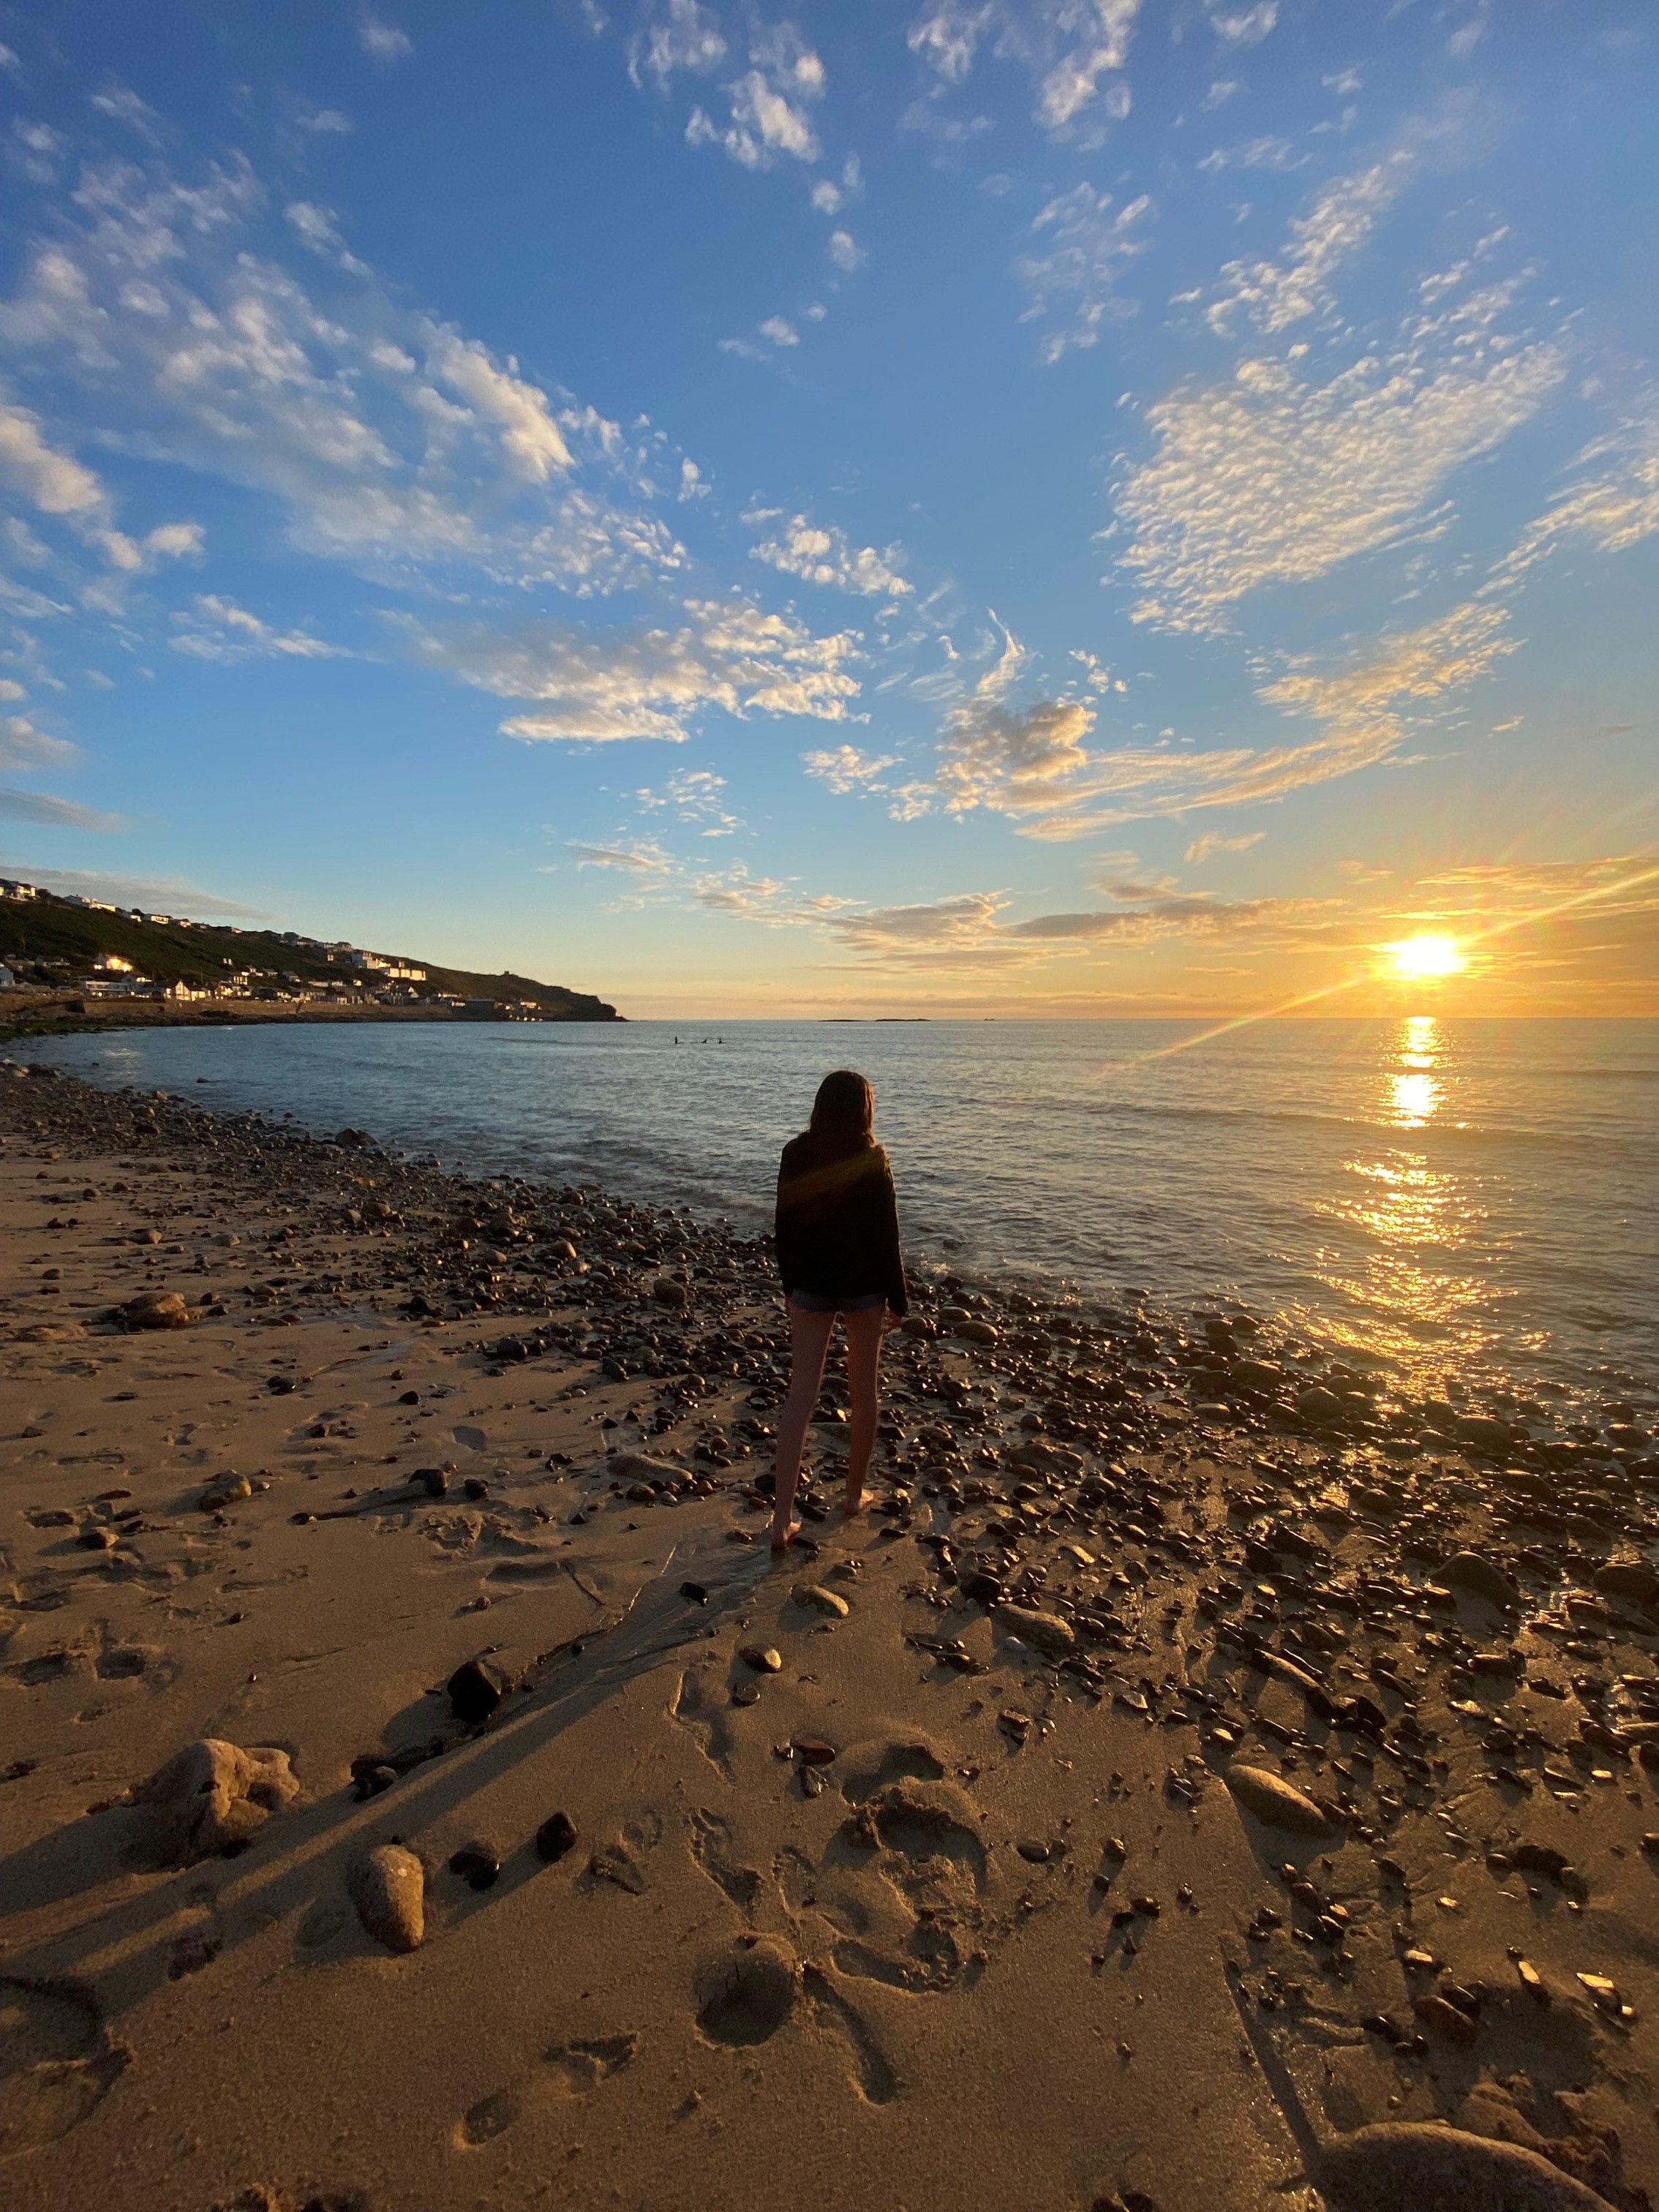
(511, 1348)
(409, 1397)
(555, 1836)
(1540, 1858)
(434, 1481)
(279, 1385)
(694, 1593)
(477, 1865)
(475, 1689)
(982, 1589)
(475, 1486)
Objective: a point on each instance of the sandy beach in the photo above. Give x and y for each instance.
(1200, 1781)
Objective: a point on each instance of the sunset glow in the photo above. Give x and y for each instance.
(1417, 958)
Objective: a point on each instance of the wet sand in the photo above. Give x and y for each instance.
(1196, 1758)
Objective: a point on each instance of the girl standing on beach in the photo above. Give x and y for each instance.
(838, 1252)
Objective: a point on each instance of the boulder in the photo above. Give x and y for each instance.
(213, 1797)
(667, 1292)
(387, 1885)
(156, 1309)
(1418, 2166)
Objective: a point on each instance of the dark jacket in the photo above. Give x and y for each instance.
(838, 1223)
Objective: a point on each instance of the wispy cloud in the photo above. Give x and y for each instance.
(1032, 763)
(55, 813)
(1280, 475)
(693, 795)
(1216, 841)
(798, 547)
(846, 769)
(155, 894)
(55, 483)
(22, 745)
(390, 439)
(593, 686)
(217, 629)
(1087, 244)
(1610, 503)
(1075, 50)
(768, 105)
(383, 41)
(633, 859)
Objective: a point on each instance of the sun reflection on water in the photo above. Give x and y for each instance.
(1403, 1220)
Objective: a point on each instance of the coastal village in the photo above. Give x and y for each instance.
(67, 960)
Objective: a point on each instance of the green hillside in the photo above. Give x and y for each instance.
(67, 940)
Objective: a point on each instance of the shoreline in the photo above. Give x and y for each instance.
(1117, 1569)
(63, 1020)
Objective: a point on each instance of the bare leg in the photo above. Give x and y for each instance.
(808, 1340)
(864, 1332)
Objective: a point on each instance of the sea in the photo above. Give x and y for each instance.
(1455, 1199)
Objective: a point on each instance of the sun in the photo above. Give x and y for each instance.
(1415, 958)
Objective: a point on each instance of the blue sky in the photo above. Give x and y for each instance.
(1059, 506)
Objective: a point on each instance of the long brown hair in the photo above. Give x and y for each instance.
(843, 1114)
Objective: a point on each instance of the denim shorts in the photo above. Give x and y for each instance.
(823, 1301)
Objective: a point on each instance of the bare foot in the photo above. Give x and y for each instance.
(853, 1503)
(790, 1536)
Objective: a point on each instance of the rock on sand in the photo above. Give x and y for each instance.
(1277, 1803)
(387, 1885)
(211, 1796)
(1412, 2167)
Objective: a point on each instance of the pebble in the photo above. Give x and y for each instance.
(1044, 1631)
(1445, 2018)
(478, 1864)
(812, 1750)
(1473, 1570)
(1276, 1802)
(156, 1309)
(762, 1658)
(816, 1599)
(555, 1836)
(387, 1885)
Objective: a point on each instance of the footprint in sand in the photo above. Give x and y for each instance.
(697, 1706)
(711, 1847)
(57, 2061)
(747, 1996)
(572, 2069)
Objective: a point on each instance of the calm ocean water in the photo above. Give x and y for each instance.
(1456, 1195)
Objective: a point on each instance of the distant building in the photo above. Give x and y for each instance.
(382, 964)
(9, 888)
(8, 980)
(110, 964)
(125, 985)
